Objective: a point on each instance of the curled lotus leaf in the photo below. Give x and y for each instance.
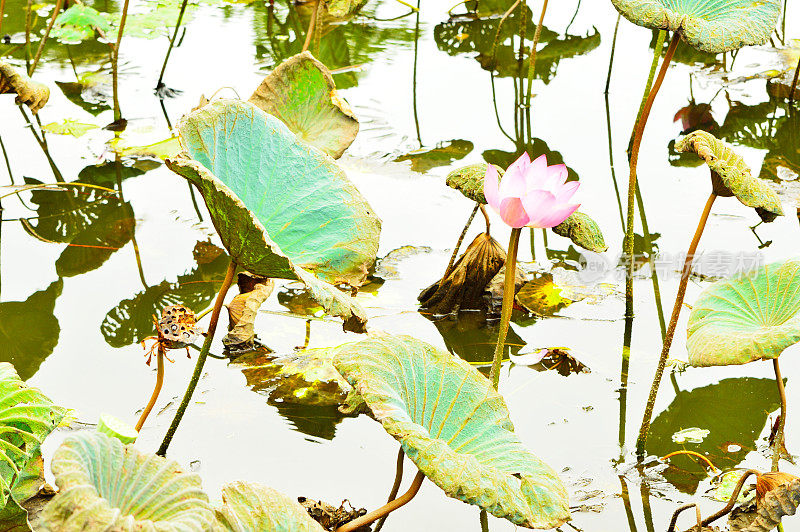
(709, 25)
(454, 426)
(242, 312)
(27, 416)
(250, 506)
(279, 205)
(731, 175)
(771, 507)
(469, 181)
(301, 92)
(749, 317)
(31, 93)
(583, 231)
(105, 485)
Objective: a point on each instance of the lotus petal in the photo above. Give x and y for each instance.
(454, 426)
(750, 317)
(27, 416)
(708, 25)
(248, 506)
(105, 485)
(301, 92)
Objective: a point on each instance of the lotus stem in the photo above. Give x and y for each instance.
(794, 83)
(486, 218)
(387, 508)
(398, 478)
(171, 45)
(732, 501)
(201, 359)
(678, 512)
(691, 453)
(311, 25)
(673, 322)
(115, 61)
(2, 10)
(638, 131)
(508, 305)
(532, 56)
(613, 49)
(777, 444)
(28, 33)
(500, 25)
(484, 519)
(458, 243)
(157, 390)
(59, 4)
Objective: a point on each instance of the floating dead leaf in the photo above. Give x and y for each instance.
(463, 286)
(31, 93)
(777, 495)
(331, 517)
(243, 309)
(541, 296)
(493, 293)
(552, 358)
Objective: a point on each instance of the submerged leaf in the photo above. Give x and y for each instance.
(247, 506)
(69, 126)
(27, 416)
(444, 153)
(709, 25)
(105, 485)
(301, 92)
(31, 93)
(289, 207)
(730, 175)
(583, 231)
(750, 317)
(454, 426)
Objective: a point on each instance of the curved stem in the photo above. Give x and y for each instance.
(691, 453)
(311, 25)
(613, 49)
(777, 445)
(732, 500)
(675, 515)
(486, 218)
(59, 4)
(398, 478)
(387, 508)
(633, 160)
(673, 322)
(172, 43)
(156, 390)
(458, 243)
(508, 305)
(201, 359)
(532, 56)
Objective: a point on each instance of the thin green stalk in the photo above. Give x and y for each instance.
(794, 83)
(673, 322)
(398, 478)
(777, 444)
(59, 4)
(201, 359)
(638, 132)
(508, 305)
(611, 163)
(171, 44)
(2, 10)
(532, 56)
(115, 62)
(611, 59)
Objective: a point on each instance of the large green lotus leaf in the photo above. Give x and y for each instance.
(287, 204)
(750, 317)
(27, 416)
(301, 92)
(455, 427)
(248, 506)
(105, 485)
(731, 175)
(708, 25)
(29, 330)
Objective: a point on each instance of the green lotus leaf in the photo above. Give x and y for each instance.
(287, 204)
(442, 154)
(708, 25)
(69, 126)
(301, 92)
(79, 23)
(730, 175)
(752, 316)
(469, 181)
(105, 485)
(344, 8)
(27, 416)
(583, 231)
(249, 506)
(454, 426)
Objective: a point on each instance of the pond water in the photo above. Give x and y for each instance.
(72, 317)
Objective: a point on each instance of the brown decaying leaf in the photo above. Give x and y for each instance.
(463, 287)
(31, 93)
(243, 309)
(777, 495)
(493, 293)
(331, 517)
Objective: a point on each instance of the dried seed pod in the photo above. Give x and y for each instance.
(176, 328)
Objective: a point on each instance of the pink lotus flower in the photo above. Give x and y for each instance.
(531, 193)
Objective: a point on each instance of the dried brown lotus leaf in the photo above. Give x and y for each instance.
(31, 93)
(243, 309)
(778, 495)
